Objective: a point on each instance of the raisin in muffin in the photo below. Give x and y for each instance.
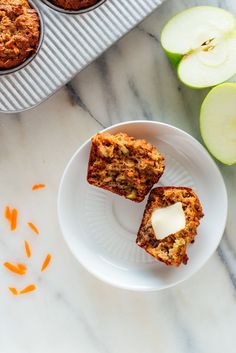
(19, 32)
(123, 165)
(74, 4)
(172, 249)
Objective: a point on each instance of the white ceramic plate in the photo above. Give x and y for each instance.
(100, 227)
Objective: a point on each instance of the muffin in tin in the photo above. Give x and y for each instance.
(74, 4)
(19, 32)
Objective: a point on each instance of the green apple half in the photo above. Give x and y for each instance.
(201, 43)
(218, 122)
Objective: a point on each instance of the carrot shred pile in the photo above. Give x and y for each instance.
(38, 186)
(11, 216)
(46, 262)
(33, 227)
(27, 249)
(28, 289)
(19, 269)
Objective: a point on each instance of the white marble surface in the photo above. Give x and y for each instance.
(72, 311)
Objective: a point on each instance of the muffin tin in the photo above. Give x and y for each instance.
(70, 43)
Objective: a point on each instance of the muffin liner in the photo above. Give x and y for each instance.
(41, 37)
(73, 12)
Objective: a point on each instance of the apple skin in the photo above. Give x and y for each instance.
(228, 84)
(174, 58)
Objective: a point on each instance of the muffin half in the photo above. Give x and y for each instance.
(124, 165)
(166, 235)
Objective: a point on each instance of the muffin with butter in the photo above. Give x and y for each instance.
(170, 223)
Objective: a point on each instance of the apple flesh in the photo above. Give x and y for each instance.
(218, 122)
(201, 42)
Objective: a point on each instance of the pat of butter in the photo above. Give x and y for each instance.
(168, 220)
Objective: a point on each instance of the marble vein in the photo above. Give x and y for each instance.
(144, 107)
(75, 97)
(99, 346)
(228, 258)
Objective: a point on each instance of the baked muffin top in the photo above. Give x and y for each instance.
(74, 4)
(124, 165)
(19, 32)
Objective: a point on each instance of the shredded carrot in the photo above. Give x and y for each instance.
(14, 215)
(13, 290)
(27, 249)
(13, 268)
(28, 289)
(8, 213)
(33, 228)
(11, 216)
(25, 290)
(46, 262)
(38, 186)
(22, 267)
